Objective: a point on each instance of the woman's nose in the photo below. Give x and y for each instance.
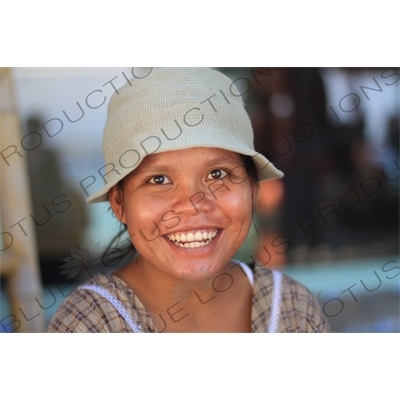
(193, 198)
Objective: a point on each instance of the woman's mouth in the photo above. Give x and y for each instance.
(193, 239)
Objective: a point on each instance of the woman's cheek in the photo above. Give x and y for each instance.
(142, 215)
(239, 196)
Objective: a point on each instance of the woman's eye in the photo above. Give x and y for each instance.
(159, 180)
(217, 174)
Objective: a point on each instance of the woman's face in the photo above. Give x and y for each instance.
(187, 211)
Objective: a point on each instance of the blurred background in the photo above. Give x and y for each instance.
(332, 223)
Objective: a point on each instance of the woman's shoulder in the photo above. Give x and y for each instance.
(267, 277)
(300, 311)
(88, 307)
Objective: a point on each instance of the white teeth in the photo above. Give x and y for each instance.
(190, 237)
(193, 240)
(192, 245)
(198, 236)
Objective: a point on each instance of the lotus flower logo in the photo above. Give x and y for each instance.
(80, 257)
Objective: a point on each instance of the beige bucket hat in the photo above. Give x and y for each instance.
(173, 109)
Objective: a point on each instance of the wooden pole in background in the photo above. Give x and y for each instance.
(19, 254)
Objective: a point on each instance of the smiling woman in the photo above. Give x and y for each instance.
(188, 207)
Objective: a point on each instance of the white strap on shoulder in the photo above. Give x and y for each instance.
(276, 302)
(249, 273)
(116, 303)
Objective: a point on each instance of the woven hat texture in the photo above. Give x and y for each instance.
(174, 109)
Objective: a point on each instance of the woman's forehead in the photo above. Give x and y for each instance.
(203, 155)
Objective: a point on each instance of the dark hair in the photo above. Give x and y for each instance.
(128, 250)
(250, 168)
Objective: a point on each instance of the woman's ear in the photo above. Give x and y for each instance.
(115, 197)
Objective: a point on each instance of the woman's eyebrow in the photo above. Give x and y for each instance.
(156, 167)
(223, 160)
